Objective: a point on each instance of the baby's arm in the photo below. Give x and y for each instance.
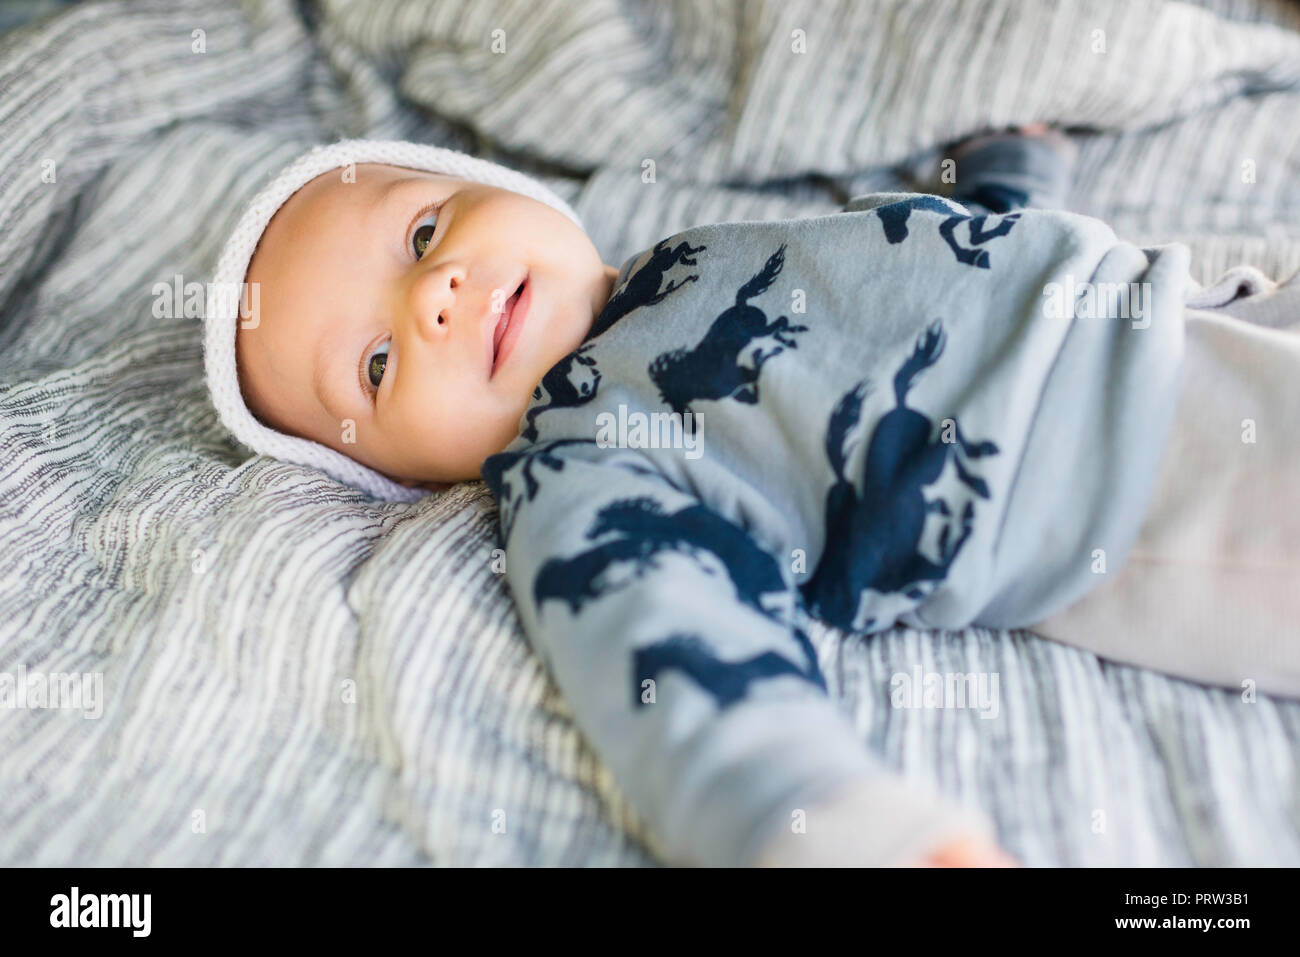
(1031, 167)
(996, 173)
(653, 616)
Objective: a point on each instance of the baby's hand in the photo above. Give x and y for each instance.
(969, 852)
(883, 821)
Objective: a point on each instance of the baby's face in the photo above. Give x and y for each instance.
(377, 328)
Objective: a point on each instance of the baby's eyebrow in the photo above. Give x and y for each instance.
(386, 194)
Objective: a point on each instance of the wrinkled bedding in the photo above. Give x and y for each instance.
(293, 674)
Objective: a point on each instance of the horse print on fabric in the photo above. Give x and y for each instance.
(642, 531)
(642, 287)
(713, 368)
(508, 497)
(727, 681)
(571, 382)
(873, 535)
(894, 216)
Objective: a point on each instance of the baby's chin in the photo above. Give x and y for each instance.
(431, 483)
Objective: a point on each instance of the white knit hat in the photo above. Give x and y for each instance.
(223, 294)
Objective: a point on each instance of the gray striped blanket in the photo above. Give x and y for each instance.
(288, 673)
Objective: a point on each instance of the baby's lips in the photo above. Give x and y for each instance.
(500, 331)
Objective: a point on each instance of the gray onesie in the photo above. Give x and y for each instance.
(903, 412)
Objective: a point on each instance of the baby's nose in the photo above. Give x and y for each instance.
(431, 323)
(432, 295)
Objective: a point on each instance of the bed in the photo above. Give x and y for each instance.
(293, 674)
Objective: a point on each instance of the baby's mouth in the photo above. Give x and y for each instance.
(504, 322)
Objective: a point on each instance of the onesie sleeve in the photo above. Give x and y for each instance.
(668, 631)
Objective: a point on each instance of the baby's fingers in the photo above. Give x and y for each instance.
(970, 852)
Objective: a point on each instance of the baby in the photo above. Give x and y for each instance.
(417, 353)
(420, 318)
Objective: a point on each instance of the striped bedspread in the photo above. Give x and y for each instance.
(280, 671)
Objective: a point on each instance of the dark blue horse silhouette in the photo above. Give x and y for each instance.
(894, 218)
(644, 531)
(727, 681)
(979, 258)
(508, 499)
(642, 287)
(712, 369)
(872, 535)
(571, 382)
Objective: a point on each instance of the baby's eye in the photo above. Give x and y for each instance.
(423, 234)
(375, 365)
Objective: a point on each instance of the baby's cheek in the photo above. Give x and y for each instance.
(446, 445)
(448, 428)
